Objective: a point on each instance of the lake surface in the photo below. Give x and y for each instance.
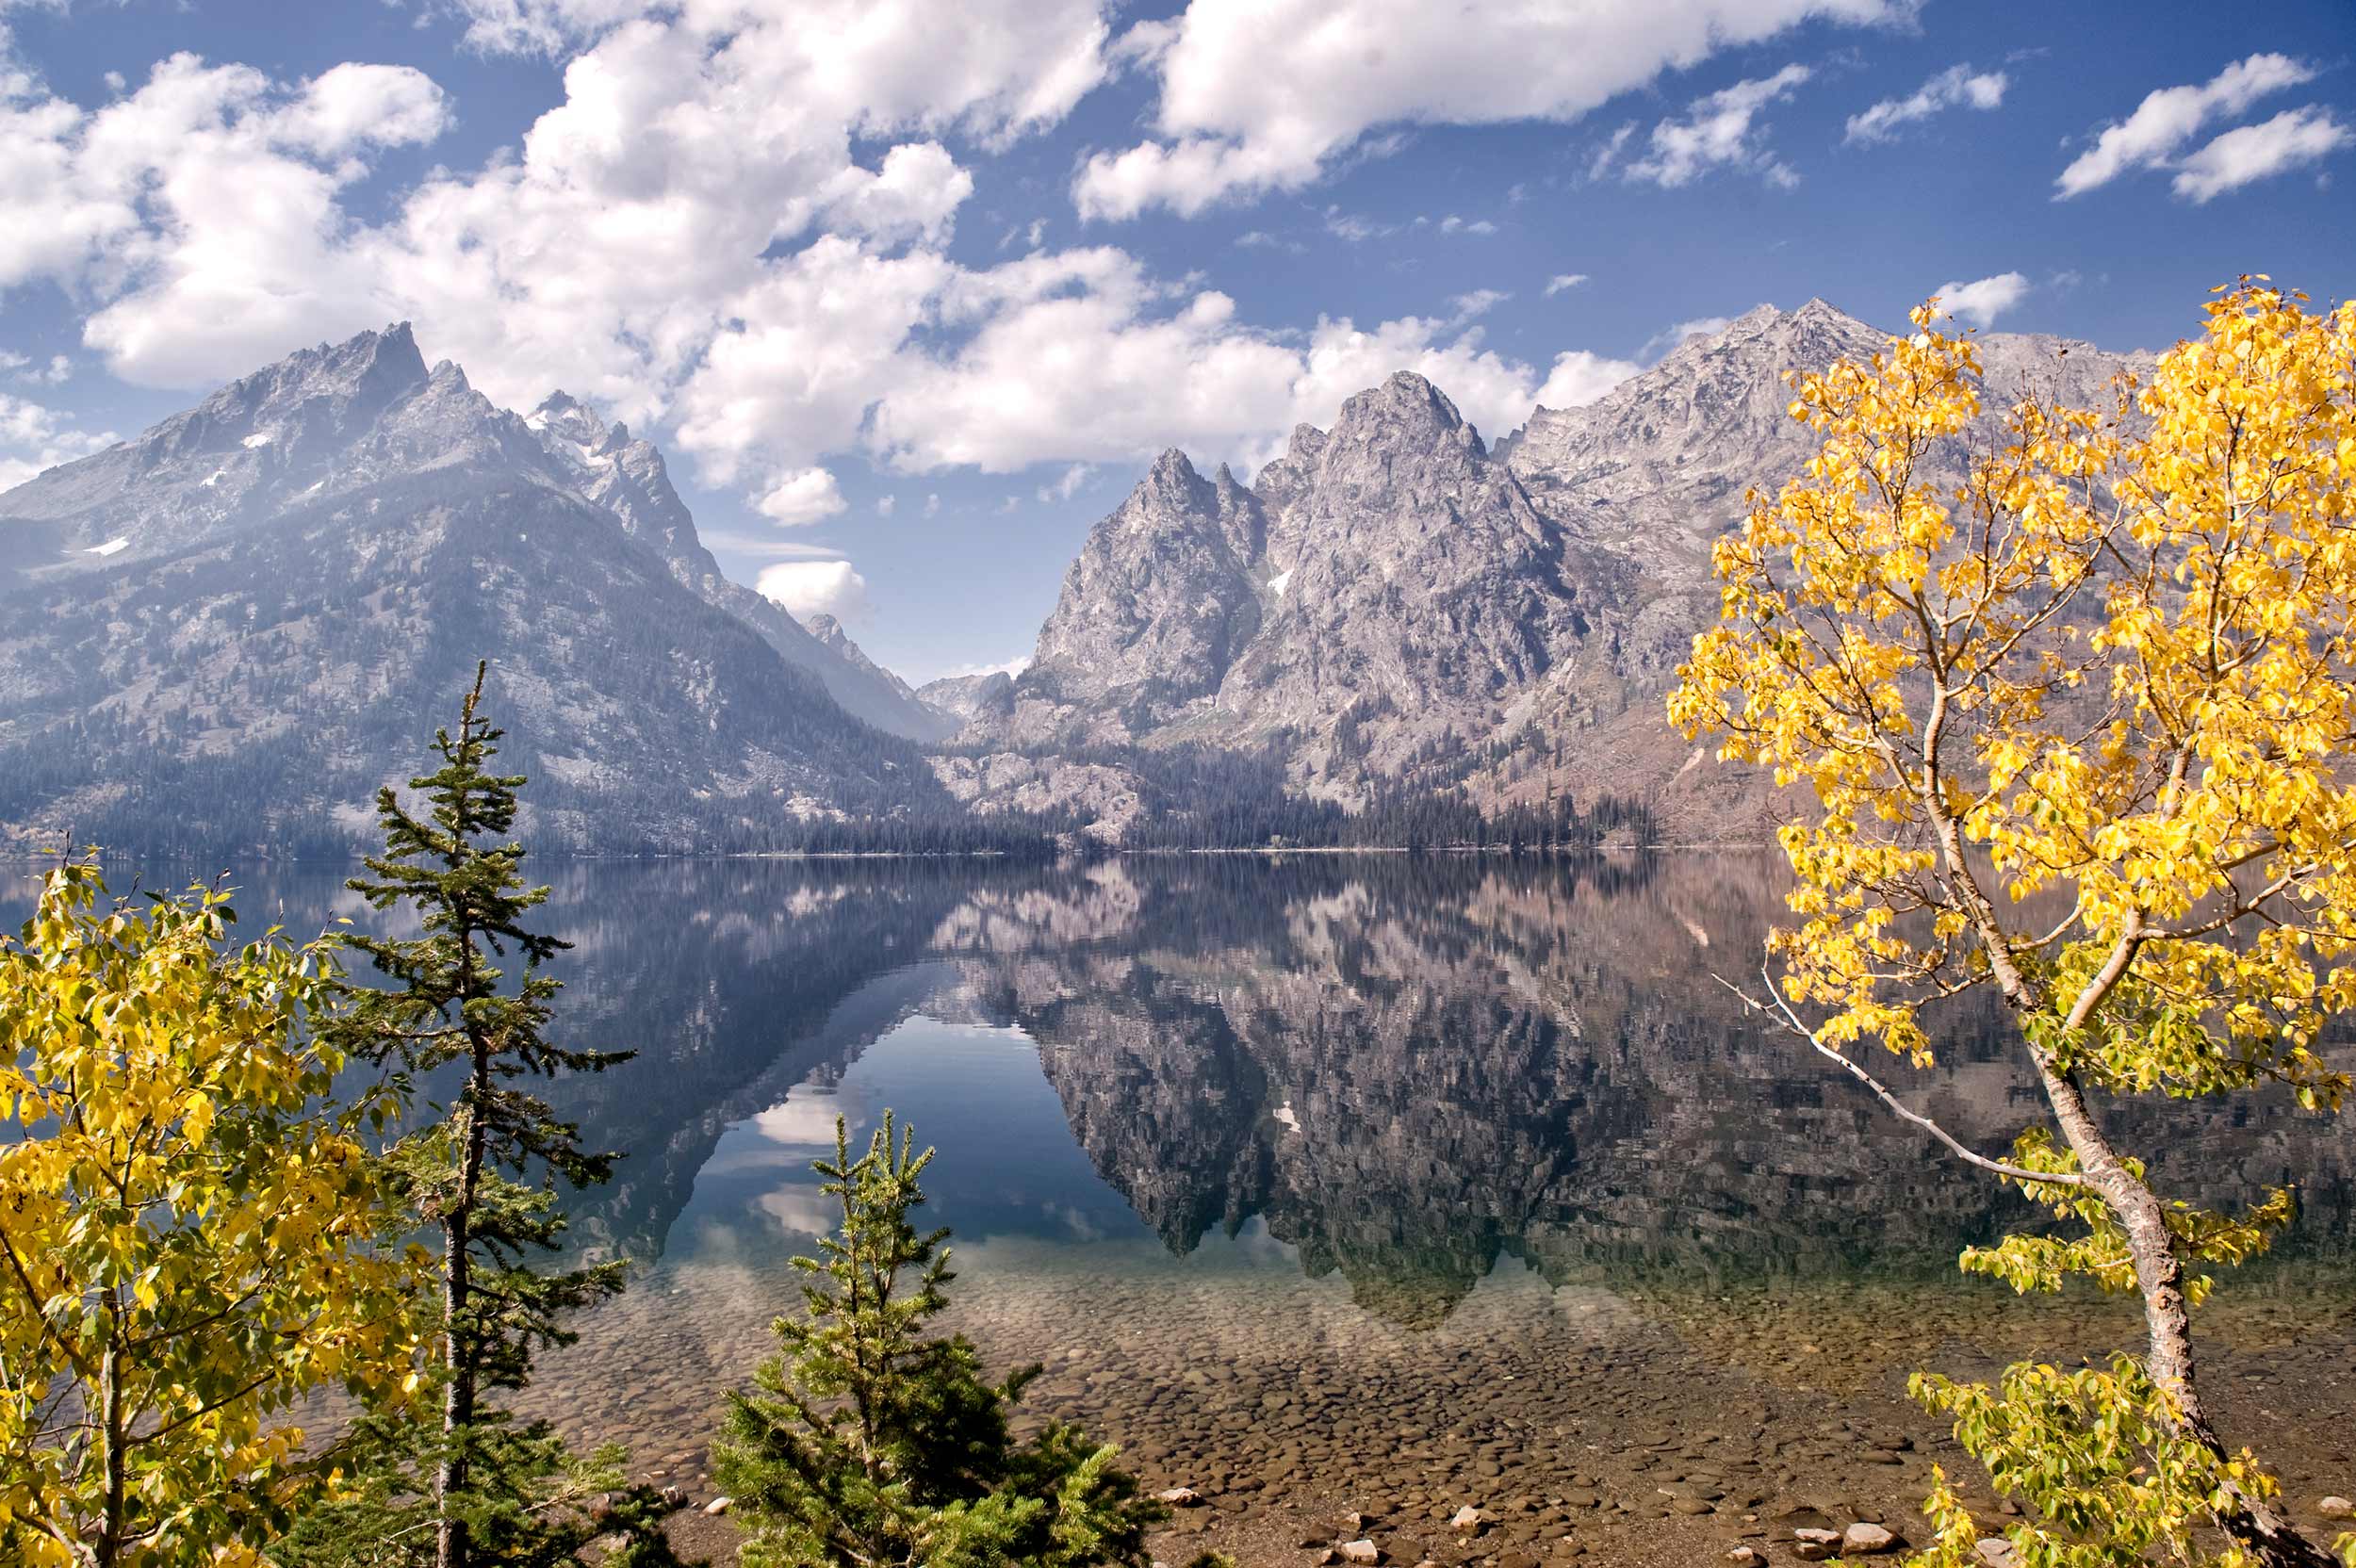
(1372, 1181)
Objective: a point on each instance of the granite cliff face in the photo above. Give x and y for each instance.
(1395, 603)
(230, 631)
(1385, 584)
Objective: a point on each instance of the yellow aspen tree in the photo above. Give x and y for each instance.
(192, 1240)
(2075, 709)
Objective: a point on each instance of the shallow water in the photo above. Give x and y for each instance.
(1379, 1180)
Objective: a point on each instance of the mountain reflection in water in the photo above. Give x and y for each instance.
(1405, 1068)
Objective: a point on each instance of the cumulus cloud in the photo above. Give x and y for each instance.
(1562, 281)
(1578, 378)
(540, 26)
(729, 226)
(1722, 131)
(692, 147)
(1956, 85)
(2169, 117)
(804, 497)
(202, 206)
(2290, 139)
(1260, 95)
(806, 588)
(33, 437)
(1985, 298)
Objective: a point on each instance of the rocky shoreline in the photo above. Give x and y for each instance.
(1574, 1423)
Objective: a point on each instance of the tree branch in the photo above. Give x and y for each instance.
(1779, 1013)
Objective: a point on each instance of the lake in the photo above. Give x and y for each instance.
(1375, 1182)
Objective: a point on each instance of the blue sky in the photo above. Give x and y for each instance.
(909, 291)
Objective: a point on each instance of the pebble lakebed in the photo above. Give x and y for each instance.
(1623, 1427)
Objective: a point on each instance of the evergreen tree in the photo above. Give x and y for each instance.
(865, 1443)
(474, 1487)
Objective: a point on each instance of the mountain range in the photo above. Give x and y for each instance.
(232, 629)
(1397, 603)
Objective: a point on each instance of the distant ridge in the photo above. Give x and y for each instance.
(231, 629)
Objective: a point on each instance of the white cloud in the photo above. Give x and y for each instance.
(1076, 358)
(1494, 392)
(1578, 378)
(1669, 337)
(1562, 281)
(694, 152)
(1981, 300)
(1354, 229)
(1956, 86)
(1480, 302)
(766, 546)
(1719, 134)
(1600, 163)
(33, 437)
(806, 588)
(1453, 224)
(1068, 485)
(993, 69)
(1259, 95)
(2167, 119)
(654, 245)
(912, 196)
(350, 107)
(887, 505)
(540, 26)
(2291, 139)
(209, 196)
(802, 498)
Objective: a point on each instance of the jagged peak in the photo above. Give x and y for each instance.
(1173, 464)
(388, 357)
(1403, 395)
(1401, 388)
(391, 352)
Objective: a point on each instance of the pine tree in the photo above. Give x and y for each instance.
(865, 1443)
(475, 1487)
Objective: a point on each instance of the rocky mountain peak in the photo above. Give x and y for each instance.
(567, 419)
(1171, 474)
(328, 391)
(1405, 407)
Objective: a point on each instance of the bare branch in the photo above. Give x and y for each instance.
(1779, 1013)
